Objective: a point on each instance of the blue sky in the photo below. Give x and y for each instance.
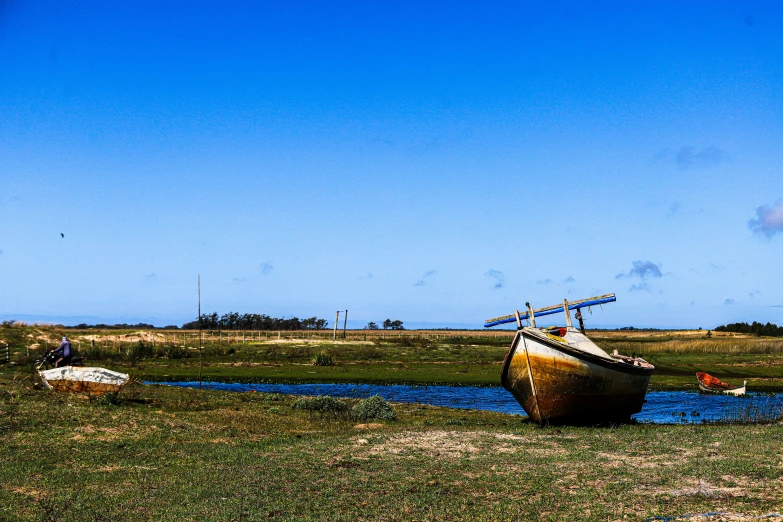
(438, 164)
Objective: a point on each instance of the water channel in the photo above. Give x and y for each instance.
(661, 407)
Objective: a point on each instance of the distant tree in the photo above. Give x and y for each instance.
(769, 329)
(387, 324)
(371, 326)
(397, 325)
(236, 321)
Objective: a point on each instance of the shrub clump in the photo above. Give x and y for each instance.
(108, 399)
(374, 407)
(321, 404)
(323, 359)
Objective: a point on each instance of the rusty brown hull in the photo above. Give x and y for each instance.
(90, 388)
(557, 383)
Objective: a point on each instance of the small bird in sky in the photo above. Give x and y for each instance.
(62, 235)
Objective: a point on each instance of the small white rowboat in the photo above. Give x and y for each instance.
(90, 380)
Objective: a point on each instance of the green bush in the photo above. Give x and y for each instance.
(374, 407)
(321, 404)
(323, 359)
(139, 350)
(109, 399)
(172, 352)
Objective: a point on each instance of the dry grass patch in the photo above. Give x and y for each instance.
(440, 443)
(705, 489)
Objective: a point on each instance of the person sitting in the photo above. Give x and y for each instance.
(64, 352)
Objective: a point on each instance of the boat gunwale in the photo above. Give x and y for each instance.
(613, 364)
(728, 391)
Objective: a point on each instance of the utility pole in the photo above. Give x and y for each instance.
(336, 320)
(345, 322)
(200, 333)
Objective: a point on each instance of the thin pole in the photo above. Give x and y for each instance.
(567, 313)
(345, 322)
(200, 336)
(531, 316)
(336, 321)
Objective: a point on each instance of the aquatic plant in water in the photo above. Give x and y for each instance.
(754, 412)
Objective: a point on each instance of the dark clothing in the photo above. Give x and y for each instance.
(64, 350)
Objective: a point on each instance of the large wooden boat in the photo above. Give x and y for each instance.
(89, 380)
(710, 384)
(559, 375)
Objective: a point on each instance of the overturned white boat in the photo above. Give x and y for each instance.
(89, 380)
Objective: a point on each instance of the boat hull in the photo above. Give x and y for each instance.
(555, 383)
(710, 384)
(92, 381)
(731, 391)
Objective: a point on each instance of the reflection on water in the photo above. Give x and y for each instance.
(665, 407)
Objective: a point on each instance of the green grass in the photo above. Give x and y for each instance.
(484, 374)
(166, 453)
(419, 357)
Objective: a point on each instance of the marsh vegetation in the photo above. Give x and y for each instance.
(164, 453)
(409, 357)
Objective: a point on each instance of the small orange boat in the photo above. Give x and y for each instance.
(710, 384)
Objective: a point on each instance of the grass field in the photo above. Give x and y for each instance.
(415, 357)
(165, 453)
(161, 453)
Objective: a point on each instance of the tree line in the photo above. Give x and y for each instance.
(236, 321)
(120, 326)
(388, 324)
(767, 330)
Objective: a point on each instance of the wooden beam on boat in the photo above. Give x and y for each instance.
(554, 309)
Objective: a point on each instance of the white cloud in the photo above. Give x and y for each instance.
(642, 270)
(768, 220)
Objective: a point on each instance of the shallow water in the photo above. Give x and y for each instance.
(662, 407)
